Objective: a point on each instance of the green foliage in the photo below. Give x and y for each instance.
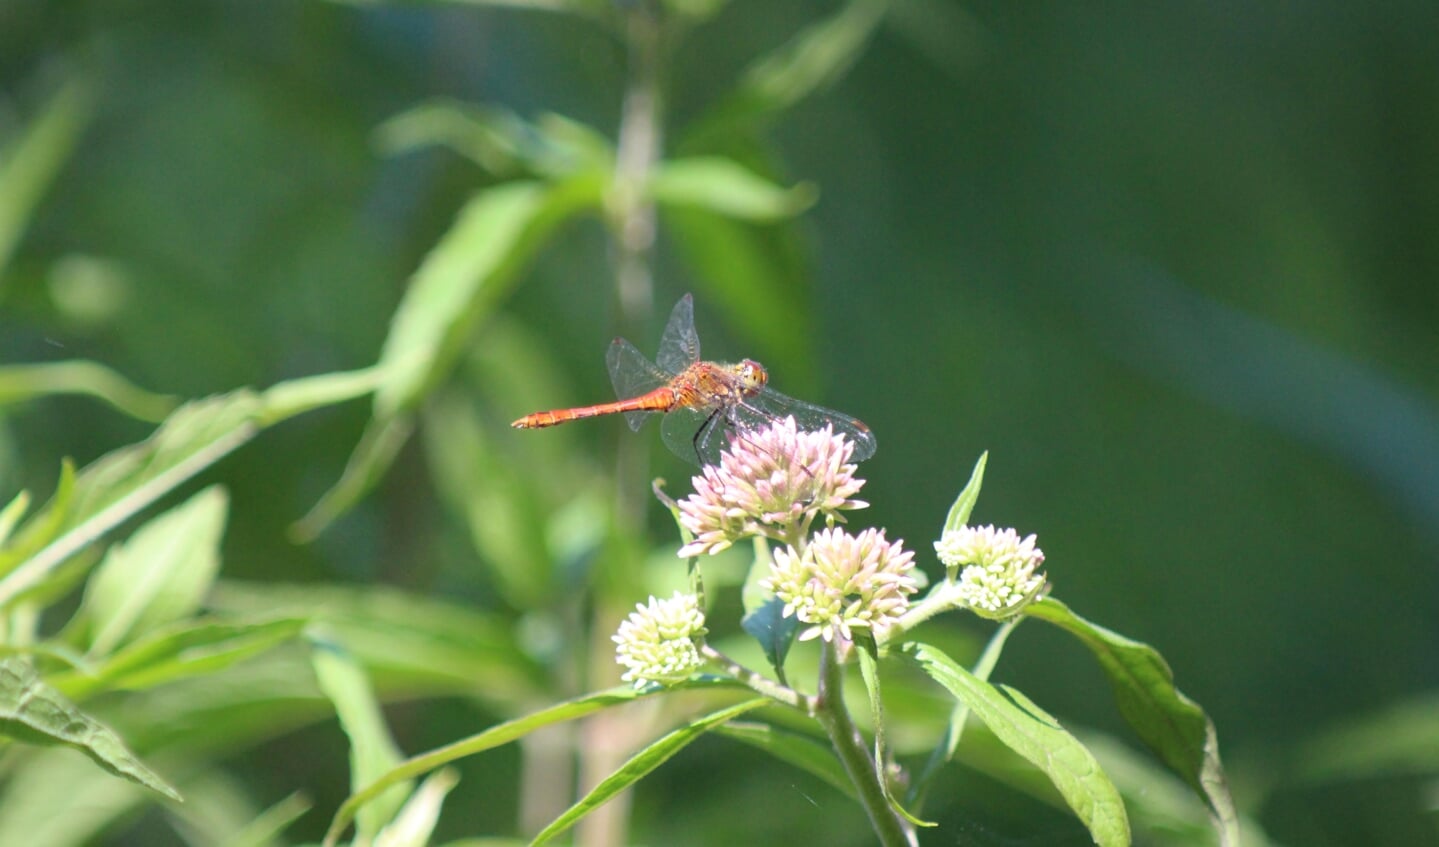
(229, 259)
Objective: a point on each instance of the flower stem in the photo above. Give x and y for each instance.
(853, 753)
(759, 682)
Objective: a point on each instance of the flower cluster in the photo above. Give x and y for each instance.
(769, 478)
(843, 582)
(657, 643)
(1001, 571)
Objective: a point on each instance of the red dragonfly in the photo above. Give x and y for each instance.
(700, 400)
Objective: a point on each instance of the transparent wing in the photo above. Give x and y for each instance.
(693, 435)
(632, 375)
(770, 405)
(680, 345)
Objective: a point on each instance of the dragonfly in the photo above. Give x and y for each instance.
(705, 404)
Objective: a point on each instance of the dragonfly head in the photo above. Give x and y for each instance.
(752, 376)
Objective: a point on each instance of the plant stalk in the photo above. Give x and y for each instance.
(853, 753)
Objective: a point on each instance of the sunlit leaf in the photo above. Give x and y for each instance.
(373, 751)
(642, 763)
(121, 483)
(158, 575)
(497, 139)
(466, 274)
(34, 713)
(416, 644)
(29, 163)
(959, 513)
(11, 515)
(1032, 733)
(809, 62)
(869, 673)
(756, 277)
(416, 821)
(19, 383)
(804, 752)
(184, 650)
(456, 287)
(266, 828)
(493, 737)
(1171, 724)
(54, 798)
(726, 188)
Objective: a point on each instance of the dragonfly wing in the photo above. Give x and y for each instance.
(693, 435)
(632, 375)
(770, 405)
(680, 345)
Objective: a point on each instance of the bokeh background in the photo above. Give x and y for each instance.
(1173, 265)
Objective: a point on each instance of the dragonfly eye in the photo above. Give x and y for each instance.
(752, 375)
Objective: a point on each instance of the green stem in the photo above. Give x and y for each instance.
(853, 753)
(759, 682)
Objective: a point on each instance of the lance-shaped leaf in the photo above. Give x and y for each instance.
(30, 163)
(811, 61)
(158, 575)
(19, 383)
(34, 713)
(803, 751)
(121, 483)
(1032, 733)
(179, 652)
(1171, 724)
(642, 763)
(373, 751)
(493, 737)
(725, 187)
(456, 287)
(963, 506)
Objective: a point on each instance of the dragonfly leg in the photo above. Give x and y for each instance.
(702, 434)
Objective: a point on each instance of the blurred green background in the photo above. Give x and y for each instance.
(1173, 265)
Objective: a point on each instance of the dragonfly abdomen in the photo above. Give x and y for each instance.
(660, 400)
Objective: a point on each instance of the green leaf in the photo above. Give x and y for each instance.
(456, 287)
(34, 713)
(266, 828)
(415, 823)
(160, 574)
(725, 187)
(803, 751)
(774, 632)
(19, 383)
(417, 645)
(11, 515)
(179, 652)
(1397, 741)
(372, 750)
(284, 400)
(642, 763)
(465, 276)
(757, 276)
(964, 504)
(1172, 725)
(869, 672)
(810, 62)
(493, 737)
(125, 481)
(496, 139)
(30, 163)
(588, 8)
(1027, 730)
(54, 798)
